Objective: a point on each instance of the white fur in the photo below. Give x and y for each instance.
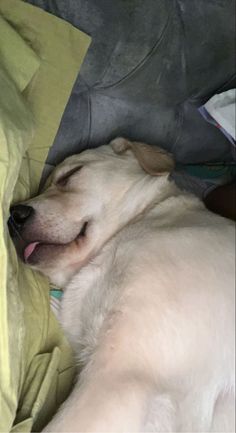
(150, 311)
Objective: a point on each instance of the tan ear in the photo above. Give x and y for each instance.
(152, 159)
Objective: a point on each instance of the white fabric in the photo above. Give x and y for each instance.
(222, 109)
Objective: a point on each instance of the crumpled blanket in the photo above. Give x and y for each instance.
(40, 56)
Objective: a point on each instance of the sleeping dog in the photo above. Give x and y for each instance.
(148, 303)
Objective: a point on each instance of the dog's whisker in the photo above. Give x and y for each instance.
(14, 229)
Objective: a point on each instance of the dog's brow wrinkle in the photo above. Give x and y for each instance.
(63, 178)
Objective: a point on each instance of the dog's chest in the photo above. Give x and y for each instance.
(90, 299)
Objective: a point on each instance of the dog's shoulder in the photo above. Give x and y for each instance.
(178, 231)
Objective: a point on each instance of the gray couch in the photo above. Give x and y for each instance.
(150, 66)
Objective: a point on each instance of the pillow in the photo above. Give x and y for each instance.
(40, 57)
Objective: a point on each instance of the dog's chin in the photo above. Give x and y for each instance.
(59, 262)
(42, 255)
(54, 261)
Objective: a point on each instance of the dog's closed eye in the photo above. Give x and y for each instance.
(62, 180)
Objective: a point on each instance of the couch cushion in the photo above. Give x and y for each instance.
(149, 67)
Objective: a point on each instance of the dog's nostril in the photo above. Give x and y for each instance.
(20, 214)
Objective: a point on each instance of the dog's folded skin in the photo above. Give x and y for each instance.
(149, 298)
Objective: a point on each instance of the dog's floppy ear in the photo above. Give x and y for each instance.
(152, 159)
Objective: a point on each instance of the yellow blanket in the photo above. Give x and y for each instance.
(40, 57)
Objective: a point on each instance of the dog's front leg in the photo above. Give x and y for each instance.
(106, 403)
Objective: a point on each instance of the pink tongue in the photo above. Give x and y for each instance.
(29, 250)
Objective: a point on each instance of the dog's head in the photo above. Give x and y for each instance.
(86, 200)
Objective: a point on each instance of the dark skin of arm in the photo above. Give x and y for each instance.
(222, 200)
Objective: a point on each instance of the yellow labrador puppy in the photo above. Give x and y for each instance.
(148, 306)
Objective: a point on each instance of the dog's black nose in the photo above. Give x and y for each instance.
(20, 214)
